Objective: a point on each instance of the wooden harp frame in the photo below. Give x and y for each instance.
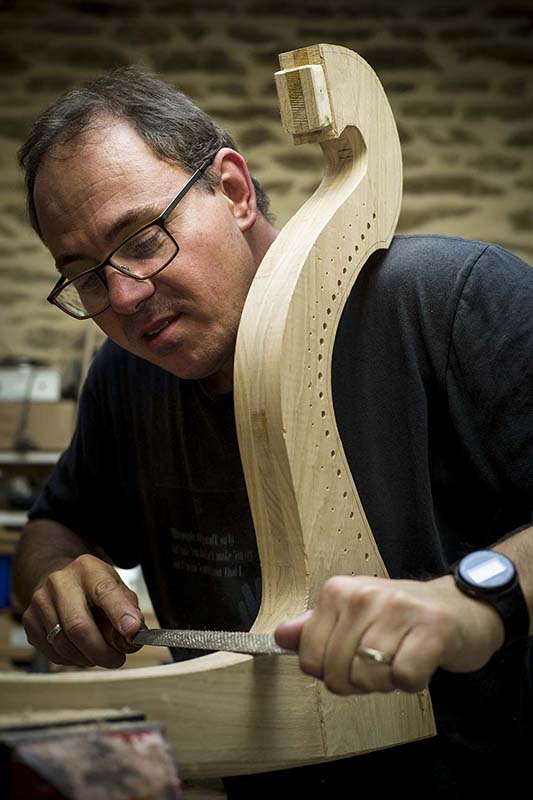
(235, 714)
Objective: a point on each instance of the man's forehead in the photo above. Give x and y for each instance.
(106, 144)
(111, 161)
(106, 181)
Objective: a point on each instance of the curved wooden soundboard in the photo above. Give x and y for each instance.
(232, 714)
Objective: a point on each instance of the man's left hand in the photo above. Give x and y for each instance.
(369, 634)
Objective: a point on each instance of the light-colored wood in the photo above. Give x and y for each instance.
(223, 713)
(308, 517)
(227, 713)
(303, 98)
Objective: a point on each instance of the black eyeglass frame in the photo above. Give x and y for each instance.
(160, 220)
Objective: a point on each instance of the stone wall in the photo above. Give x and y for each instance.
(459, 77)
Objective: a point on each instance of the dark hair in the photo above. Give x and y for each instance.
(171, 124)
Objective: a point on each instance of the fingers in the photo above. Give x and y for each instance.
(358, 602)
(93, 608)
(370, 635)
(288, 632)
(119, 604)
(417, 658)
(58, 651)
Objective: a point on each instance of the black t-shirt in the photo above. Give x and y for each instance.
(433, 395)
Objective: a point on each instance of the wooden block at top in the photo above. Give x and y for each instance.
(303, 99)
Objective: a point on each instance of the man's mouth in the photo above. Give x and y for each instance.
(155, 334)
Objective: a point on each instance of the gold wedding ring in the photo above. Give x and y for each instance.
(375, 655)
(55, 631)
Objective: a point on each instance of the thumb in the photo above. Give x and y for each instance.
(112, 637)
(288, 632)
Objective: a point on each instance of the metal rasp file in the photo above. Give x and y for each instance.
(231, 641)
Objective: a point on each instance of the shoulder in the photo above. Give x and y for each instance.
(433, 268)
(428, 258)
(430, 255)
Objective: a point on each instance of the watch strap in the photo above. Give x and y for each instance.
(509, 602)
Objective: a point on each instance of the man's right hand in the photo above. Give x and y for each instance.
(97, 613)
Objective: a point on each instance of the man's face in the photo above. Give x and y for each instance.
(184, 319)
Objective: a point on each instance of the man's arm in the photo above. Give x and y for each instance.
(423, 625)
(57, 579)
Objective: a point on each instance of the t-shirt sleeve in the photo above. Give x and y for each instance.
(489, 375)
(84, 491)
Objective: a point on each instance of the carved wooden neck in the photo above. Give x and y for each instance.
(309, 520)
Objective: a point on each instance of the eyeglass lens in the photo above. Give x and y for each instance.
(142, 256)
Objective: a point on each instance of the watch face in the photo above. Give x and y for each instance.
(487, 569)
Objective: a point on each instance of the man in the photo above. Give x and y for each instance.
(157, 229)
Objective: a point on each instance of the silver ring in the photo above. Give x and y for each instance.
(55, 631)
(375, 655)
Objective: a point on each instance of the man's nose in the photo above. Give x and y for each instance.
(127, 294)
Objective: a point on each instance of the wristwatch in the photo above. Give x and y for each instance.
(490, 576)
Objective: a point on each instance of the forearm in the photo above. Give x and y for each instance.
(44, 546)
(519, 547)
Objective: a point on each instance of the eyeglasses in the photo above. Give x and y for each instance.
(142, 255)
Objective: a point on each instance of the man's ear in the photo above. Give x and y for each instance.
(236, 185)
